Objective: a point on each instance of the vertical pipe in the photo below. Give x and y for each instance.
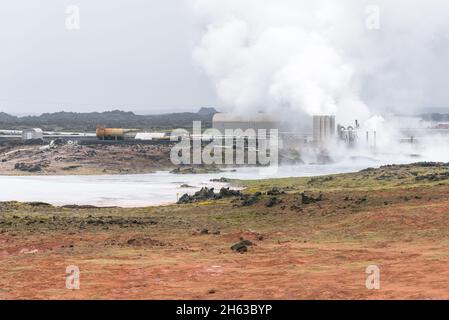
(375, 139)
(331, 127)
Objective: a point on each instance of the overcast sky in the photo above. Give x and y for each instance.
(153, 56)
(128, 54)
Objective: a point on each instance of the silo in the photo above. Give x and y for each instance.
(323, 128)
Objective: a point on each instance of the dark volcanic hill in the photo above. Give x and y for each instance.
(7, 118)
(74, 121)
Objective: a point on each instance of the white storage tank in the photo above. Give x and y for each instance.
(32, 134)
(148, 136)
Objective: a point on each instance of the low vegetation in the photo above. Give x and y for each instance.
(286, 238)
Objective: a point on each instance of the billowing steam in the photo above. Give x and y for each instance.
(352, 58)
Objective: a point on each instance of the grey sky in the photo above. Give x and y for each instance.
(138, 54)
(128, 54)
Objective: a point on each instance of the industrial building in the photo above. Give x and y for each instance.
(349, 134)
(224, 121)
(32, 134)
(288, 134)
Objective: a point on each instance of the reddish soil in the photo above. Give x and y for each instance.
(319, 253)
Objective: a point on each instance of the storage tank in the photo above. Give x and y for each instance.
(323, 128)
(151, 136)
(32, 134)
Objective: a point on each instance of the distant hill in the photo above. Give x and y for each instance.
(4, 117)
(207, 111)
(74, 121)
(436, 117)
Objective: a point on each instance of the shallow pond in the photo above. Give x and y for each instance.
(142, 189)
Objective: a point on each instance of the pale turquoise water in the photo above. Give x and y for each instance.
(138, 190)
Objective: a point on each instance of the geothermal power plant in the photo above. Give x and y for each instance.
(311, 135)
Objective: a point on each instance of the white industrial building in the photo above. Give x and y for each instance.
(225, 121)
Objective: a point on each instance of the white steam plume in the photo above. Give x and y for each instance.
(319, 57)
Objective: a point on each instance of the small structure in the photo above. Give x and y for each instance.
(32, 134)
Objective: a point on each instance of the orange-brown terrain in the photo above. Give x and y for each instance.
(315, 245)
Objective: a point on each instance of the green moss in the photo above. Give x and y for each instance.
(372, 179)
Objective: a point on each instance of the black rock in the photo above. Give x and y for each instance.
(272, 202)
(28, 167)
(242, 246)
(305, 199)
